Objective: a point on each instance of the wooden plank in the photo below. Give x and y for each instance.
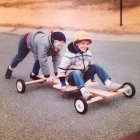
(35, 81)
(40, 76)
(55, 81)
(120, 91)
(91, 84)
(95, 99)
(107, 94)
(104, 94)
(72, 88)
(101, 93)
(69, 88)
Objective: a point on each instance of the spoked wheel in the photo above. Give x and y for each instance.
(21, 86)
(131, 90)
(81, 105)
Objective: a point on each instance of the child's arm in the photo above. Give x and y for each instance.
(91, 63)
(56, 59)
(43, 60)
(62, 70)
(90, 58)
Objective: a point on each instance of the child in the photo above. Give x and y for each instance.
(77, 66)
(41, 45)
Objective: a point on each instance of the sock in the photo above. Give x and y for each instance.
(107, 82)
(10, 68)
(32, 74)
(83, 90)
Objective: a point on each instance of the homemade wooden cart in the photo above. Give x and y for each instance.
(81, 105)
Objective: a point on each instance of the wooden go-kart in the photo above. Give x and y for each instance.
(81, 105)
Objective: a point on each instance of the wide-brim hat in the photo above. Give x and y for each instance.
(81, 35)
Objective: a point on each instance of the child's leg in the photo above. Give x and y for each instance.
(96, 69)
(76, 78)
(21, 54)
(103, 76)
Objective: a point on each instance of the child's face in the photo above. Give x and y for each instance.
(83, 45)
(58, 45)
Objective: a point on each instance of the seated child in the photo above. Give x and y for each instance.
(77, 66)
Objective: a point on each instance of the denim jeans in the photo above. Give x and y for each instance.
(21, 54)
(79, 78)
(36, 67)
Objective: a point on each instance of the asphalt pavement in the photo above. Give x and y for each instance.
(43, 113)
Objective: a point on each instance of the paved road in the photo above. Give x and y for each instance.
(42, 113)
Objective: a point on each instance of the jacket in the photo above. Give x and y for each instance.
(74, 60)
(40, 44)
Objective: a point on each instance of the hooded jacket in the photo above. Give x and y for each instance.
(74, 59)
(40, 44)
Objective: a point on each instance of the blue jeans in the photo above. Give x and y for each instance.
(79, 78)
(21, 54)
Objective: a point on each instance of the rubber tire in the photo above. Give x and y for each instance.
(132, 88)
(23, 85)
(84, 103)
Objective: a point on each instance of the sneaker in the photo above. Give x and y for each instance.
(86, 95)
(8, 73)
(114, 86)
(34, 77)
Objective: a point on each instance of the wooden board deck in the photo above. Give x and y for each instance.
(94, 99)
(34, 81)
(89, 85)
(72, 88)
(56, 84)
(69, 88)
(41, 80)
(106, 94)
(101, 93)
(40, 76)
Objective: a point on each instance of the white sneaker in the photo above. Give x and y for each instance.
(86, 95)
(113, 86)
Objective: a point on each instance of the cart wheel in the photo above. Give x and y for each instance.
(131, 92)
(20, 85)
(81, 105)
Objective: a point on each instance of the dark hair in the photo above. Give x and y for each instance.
(58, 36)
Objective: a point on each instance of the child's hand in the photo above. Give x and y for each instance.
(63, 88)
(50, 80)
